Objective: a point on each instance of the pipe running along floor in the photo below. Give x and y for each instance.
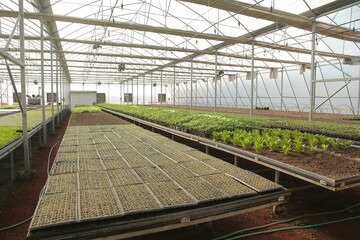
(109, 171)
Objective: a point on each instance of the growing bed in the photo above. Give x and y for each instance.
(131, 180)
(332, 168)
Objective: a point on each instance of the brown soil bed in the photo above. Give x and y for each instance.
(86, 119)
(332, 163)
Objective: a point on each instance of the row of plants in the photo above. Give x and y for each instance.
(85, 109)
(209, 122)
(285, 141)
(352, 117)
(9, 124)
(8, 134)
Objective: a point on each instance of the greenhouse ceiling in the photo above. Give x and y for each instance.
(115, 41)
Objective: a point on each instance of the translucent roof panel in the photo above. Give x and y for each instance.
(93, 37)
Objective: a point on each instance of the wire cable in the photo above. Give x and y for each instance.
(285, 221)
(294, 228)
(49, 156)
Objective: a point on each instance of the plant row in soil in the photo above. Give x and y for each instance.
(205, 123)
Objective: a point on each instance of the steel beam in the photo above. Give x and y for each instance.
(44, 132)
(281, 17)
(209, 51)
(23, 87)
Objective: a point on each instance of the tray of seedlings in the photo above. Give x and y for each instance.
(63, 167)
(202, 190)
(114, 163)
(108, 153)
(66, 156)
(88, 155)
(68, 148)
(61, 183)
(120, 177)
(177, 172)
(151, 174)
(98, 203)
(134, 158)
(160, 159)
(229, 185)
(54, 209)
(137, 198)
(171, 195)
(86, 148)
(199, 168)
(93, 179)
(90, 165)
(104, 146)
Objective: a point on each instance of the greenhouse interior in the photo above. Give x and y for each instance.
(180, 119)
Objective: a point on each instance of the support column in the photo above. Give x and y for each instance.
(23, 87)
(132, 91)
(151, 88)
(60, 95)
(207, 92)
(43, 83)
(137, 91)
(220, 90)
(236, 160)
(174, 87)
(256, 89)
(52, 90)
(236, 91)
(57, 92)
(191, 85)
(252, 79)
(312, 78)
(144, 90)
(358, 105)
(161, 84)
(277, 180)
(215, 81)
(282, 89)
(120, 92)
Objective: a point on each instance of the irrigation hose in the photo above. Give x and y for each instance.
(49, 156)
(294, 228)
(288, 220)
(41, 192)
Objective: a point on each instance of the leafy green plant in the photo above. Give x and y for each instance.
(335, 143)
(216, 136)
(273, 143)
(346, 143)
(236, 139)
(323, 139)
(312, 141)
(324, 146)
(225, 136)
(286, 147)
(246, 141)
(258, 144)
(299, 147)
